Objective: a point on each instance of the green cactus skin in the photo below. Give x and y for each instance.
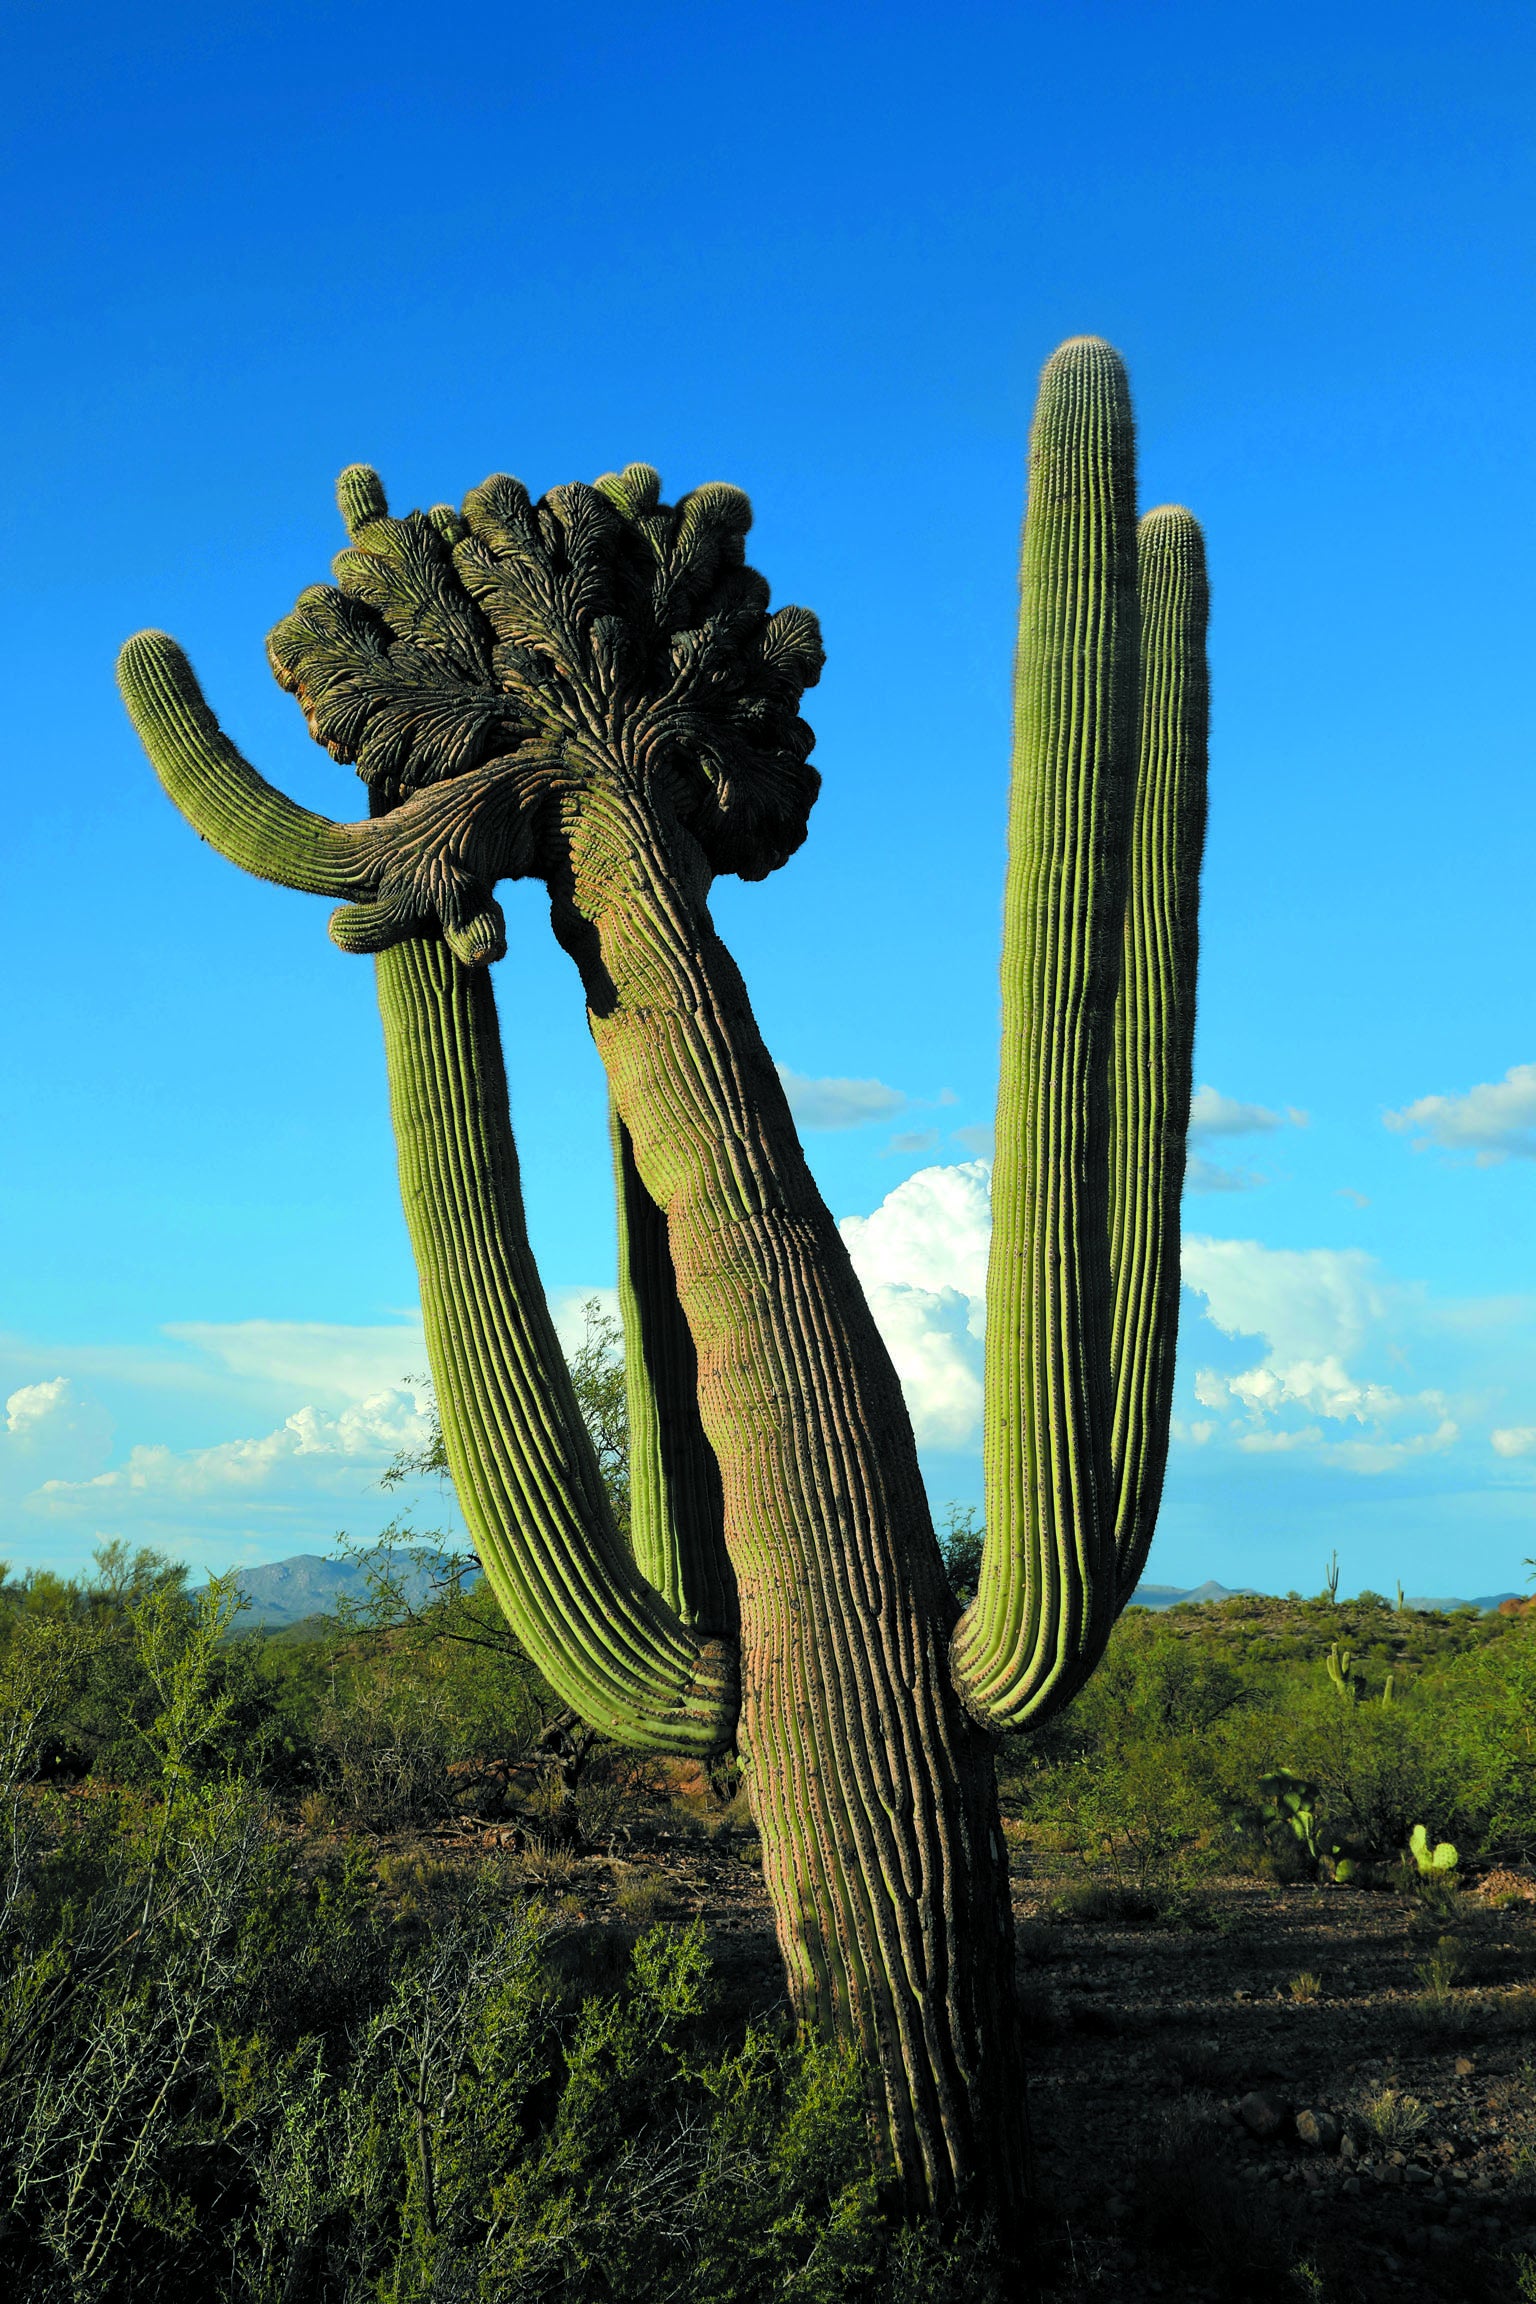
(1155, 1019)
(590, 690)
(521, 1459)
(677, 1512)
(872, 1788)
(1046, 1596)
(1100, 952)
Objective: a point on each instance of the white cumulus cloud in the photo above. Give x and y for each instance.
(36, 1404)
(922, 1257)
(1496, 1119)
(1514, 1439)
(1317, 1311)
(836, 1103)
(362, 1436)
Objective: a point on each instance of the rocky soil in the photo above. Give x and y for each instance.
(1251, 2091)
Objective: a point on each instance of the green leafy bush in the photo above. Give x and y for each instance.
(228, 2079)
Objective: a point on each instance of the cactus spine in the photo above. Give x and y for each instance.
(590, 690)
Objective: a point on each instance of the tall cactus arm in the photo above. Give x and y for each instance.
(677, 1509)
(521, 1459)
(1046, 1595)
(1155, 1018)
(522, 1463)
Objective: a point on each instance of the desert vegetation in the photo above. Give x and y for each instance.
(339, 1963)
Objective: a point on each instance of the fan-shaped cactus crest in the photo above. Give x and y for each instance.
(592, 690)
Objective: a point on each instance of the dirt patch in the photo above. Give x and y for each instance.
(1405, 2031)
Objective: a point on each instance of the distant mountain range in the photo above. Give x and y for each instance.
(288, 1591)
(1169, 1596)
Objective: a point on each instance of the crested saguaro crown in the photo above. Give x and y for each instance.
(520, 650)
(591, 689)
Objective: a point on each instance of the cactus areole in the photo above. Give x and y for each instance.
(591, 690)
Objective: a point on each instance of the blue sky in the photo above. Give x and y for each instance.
(820, 251)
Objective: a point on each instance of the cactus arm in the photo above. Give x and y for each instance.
(677, 1511)
(520, 1455)
(218, 791)
(1155, 1018)
(1046, 1596)
(521, 1459)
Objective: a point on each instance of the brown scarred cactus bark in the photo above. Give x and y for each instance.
(591, 690)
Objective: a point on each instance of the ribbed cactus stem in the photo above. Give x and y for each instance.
(1155, 1018)
(1046, 1596)
(869, 1785)
(216, 788)
(676, 1512)
(522, 1462)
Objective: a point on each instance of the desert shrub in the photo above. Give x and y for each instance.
(103, 1700)
(383, 1753)
(228, 2080)
(1483, 1707)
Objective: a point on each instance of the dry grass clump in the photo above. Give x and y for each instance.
(642, 1898)
(1394, 2119)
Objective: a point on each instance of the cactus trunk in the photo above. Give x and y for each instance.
(872, 1790)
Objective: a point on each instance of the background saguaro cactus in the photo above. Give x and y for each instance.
(591, 690)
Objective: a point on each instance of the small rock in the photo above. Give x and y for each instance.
(1414, 2174)
(1319, 2131)
(1352, 2187)
(1348, 2148)
(1262, 2115)
(1464, 2065)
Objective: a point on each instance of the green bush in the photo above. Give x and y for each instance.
(229, 2080)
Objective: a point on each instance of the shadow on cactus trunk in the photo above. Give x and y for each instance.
(591, 690)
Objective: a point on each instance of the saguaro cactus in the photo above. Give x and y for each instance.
(591, 690)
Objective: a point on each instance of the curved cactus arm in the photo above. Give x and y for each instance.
(424, 867)
(218, 791)
(1046, 1596)
(1155, 1018)
(677, 1508)
(521, 1458)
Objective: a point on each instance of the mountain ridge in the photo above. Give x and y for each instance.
(307, 1584)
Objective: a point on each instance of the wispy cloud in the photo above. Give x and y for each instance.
(1496, 1120)
(910, 1142)
(1202, 1175)
(837, 1103)
(322, 1360)
(1213, 1116)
